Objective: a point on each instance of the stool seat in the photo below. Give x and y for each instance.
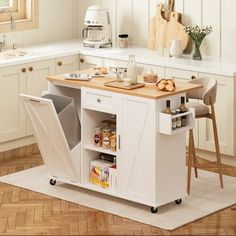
(200, 109)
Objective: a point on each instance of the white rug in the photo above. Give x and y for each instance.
(206, 198)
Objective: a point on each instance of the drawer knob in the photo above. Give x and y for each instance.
(193, 77)
(31, 68)
(81, 60)
(59, 63)
(23, 70)
(99, 100)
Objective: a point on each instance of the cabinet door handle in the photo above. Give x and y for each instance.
(31, 68)
(193, 77)
(23, 70)
(99, 100)
(81, 60)
(59, 63)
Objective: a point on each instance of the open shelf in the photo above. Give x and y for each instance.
(165, 122)
(99, 149)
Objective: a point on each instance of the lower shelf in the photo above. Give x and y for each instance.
(99, 149)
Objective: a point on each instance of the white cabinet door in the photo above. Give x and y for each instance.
(12, 118)
(225, 119)
(88, 62)
(137, 163)
(37, 73)
(67, 64)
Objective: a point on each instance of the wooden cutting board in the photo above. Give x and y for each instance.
(161, 31)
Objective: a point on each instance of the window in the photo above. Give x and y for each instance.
(23, 12)
(5, 4)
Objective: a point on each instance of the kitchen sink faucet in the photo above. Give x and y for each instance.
(13, 25)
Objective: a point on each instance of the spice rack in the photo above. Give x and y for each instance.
(165, 122)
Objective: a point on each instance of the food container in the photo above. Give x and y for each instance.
(150, 78)
(123, 40)
(113, 140)
(106, 138)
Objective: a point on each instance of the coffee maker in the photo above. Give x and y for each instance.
(98, 31)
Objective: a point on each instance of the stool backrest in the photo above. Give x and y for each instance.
(207, 93)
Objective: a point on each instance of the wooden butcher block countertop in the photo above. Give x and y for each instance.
(149, 91)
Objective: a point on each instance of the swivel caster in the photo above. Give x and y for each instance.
(178, 201)
(52, 182)
(154, 209)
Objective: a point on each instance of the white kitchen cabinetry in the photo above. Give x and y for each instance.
(37, 73)
(142, 157)
(225, 117)
(88, 62)
(12, 118)
(28, 79)
(66, 64)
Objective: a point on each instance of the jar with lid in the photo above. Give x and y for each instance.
(123, 40)
(106, 138)
(98, 137)
(113, 140)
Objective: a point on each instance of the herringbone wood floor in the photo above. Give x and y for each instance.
(24, 212)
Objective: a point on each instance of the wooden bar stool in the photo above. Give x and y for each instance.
(206, 110)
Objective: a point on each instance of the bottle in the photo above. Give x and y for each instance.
(174, 121)
(167, 109)
(131, 69)
(98, 137)
(178, 121)
(183, 109)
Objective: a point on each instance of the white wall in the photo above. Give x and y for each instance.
(58, 20)
(132, 17)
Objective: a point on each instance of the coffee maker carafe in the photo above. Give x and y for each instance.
(98, 27)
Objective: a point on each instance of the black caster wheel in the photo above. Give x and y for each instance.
(154, 209)
(178, 201)
(52, 182)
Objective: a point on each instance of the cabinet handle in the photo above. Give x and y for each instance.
(23, 70)
(31, 68)
(81, 60)
(59, 63)
(193, 77)
(99, 100)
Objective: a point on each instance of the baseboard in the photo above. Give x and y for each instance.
(17, 143)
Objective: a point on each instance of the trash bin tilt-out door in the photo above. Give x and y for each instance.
(50, 136)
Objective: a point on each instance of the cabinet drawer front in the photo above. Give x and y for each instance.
(98, 100)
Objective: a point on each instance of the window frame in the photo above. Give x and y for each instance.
(25, 15)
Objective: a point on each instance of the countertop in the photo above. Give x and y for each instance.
(143, 56)
(149, 91)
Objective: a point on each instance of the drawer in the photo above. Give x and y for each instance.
(98, 100)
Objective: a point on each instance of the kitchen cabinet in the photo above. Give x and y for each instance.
(89, 62)
(36, 74)
(28, 79)
(12, 118)
(66, 64)
(141, 156)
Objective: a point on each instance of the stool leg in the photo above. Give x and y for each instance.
(217, 146)
(194, 156)
(189, 160)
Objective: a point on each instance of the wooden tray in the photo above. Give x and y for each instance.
(120, 85)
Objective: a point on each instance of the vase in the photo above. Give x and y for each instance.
(176, 48)
(196, 53)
